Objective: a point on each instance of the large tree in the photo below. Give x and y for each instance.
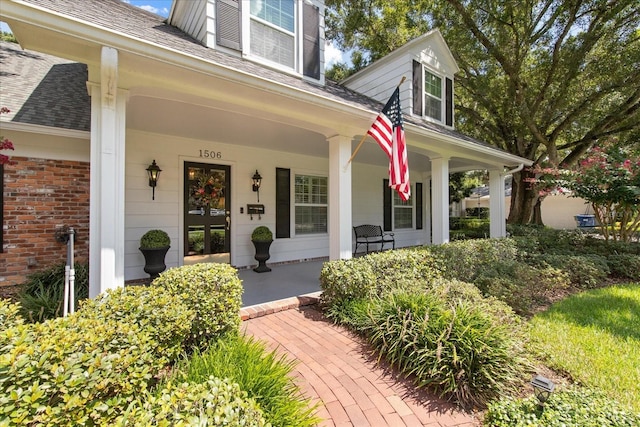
(542, 79)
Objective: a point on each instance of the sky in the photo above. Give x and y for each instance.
(163, 7)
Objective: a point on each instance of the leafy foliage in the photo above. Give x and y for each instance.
(9, 314)
(155, 239)
(262, 234)
(262, 374)
(42, 295)
(573, 407)
(212, 402)
(213, 291)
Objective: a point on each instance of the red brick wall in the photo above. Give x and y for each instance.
(40, 196)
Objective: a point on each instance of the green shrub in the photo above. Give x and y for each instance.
(214, 402)
(261, 234)
(343, 280)
(463, 260)
(73, 370)
(41, 296)
(212, 291)
(573, 407)
(624, 265)
(263, 375)
(584, 271)
(459, 350)
(9, 314)
(155, 239)
(521, 286)
(163, 316)
(376, 274)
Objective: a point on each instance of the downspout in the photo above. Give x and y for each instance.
(514, 170)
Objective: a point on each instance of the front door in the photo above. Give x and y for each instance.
(207, 221)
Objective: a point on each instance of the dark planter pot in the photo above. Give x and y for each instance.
(262, 255)
(154, 261)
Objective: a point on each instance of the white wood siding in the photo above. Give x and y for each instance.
(191, 17)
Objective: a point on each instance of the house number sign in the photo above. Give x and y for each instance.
(209, 154)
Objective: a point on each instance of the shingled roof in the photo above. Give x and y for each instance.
(43, 90)
(121, 17)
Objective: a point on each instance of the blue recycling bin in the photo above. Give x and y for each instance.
(586, 220)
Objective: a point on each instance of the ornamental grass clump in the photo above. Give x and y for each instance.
(459, 350)
(262, 374)
(213, 292)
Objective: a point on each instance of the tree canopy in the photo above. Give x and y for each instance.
(542, 79)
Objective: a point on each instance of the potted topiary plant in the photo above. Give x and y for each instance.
(154, 245)
(262, 238)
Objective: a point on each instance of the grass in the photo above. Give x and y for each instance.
(594, 336)
(264, 375)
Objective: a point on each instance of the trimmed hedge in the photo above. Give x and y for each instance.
(214, 402)
(212, 291)
(165, 317)
(624, 265)
(572, 407)
(376, 274)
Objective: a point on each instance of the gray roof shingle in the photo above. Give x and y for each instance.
(43, 89)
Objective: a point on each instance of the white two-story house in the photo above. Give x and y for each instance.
(220, 93)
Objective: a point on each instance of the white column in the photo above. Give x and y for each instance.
(340, 241)
(497, 211)
(440, 200)
(108, 108)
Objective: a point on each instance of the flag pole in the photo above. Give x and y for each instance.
(365, 135)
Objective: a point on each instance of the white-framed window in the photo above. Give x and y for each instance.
(432, 95)
(272, 28)
(311, 204)
(402, 212)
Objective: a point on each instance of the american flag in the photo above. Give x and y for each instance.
(388, 131)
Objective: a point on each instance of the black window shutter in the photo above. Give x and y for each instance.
(311, 41)
(283, 203)
(419, 205)
(417, 88)
(449, 101)
(228, 24)
(386, 191)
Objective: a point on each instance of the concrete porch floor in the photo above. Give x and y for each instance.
(282, 282)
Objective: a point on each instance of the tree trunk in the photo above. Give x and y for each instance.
(537, 213)
(523, 199)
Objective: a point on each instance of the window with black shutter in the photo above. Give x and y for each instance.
(311, 41)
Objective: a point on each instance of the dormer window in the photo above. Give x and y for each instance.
(432, 95)
(273, 31)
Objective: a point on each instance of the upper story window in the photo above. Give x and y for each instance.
(432, 95)
(273, 31)
(285, 34)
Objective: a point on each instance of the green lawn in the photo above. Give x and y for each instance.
(594, 336)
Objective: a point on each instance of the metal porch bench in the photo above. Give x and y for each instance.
(372, 235)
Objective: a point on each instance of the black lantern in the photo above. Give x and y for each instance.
(154, 173)
(542, 388)
(257, 180)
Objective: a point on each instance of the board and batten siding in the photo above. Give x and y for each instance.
(191, 17)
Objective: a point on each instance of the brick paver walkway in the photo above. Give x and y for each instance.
(336, 369)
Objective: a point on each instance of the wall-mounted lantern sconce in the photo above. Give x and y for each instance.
(257, 180)
(154, 173)
(542, 388)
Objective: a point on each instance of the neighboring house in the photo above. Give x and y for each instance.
(558, 209)
(221, 90)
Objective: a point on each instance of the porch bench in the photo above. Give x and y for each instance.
(372, 234)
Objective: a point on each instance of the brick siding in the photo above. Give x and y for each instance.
(41, 196)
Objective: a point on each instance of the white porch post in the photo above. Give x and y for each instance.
(106, 222)
(440, 200)
(340, 242)
(497, 212)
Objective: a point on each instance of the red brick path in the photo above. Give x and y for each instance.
(336, 369)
